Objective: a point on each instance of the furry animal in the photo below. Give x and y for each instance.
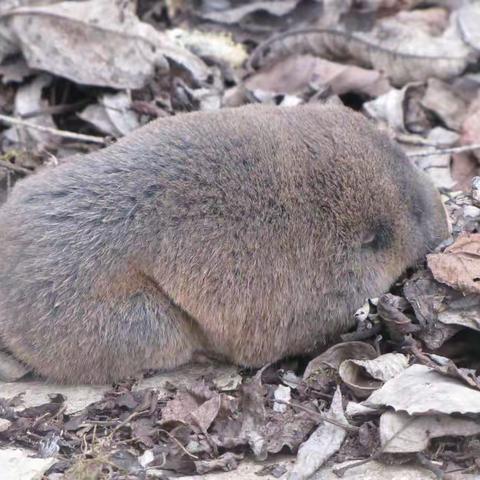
(251, 233)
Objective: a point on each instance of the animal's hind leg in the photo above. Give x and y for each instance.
(115, 337)
(11, 369)
(148, 331)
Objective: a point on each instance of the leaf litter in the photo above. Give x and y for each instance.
(404, 385)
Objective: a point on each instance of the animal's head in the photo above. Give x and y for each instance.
(381, 214)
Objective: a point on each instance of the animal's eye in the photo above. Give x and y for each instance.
(368, 238)
(379, 237)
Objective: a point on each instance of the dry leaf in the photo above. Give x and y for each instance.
(235, 15)
(27, 101)
(459, 265)
(390, 108)
(74, 40)
(334, 356)
(464, 311)
(441, 99)
(112, 115)
(322, 443)
(402, 433)
(365, 376)
(471, 126)
(422, 390)
(468, 21)
(296, 73)
(405, 52)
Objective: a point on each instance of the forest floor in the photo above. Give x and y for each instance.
(399, 397)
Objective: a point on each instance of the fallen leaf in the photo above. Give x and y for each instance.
(464, 311)
(288, 429)
(422, 390)
(235, 15)
(28, 100)
(468, 21)
(440, 99)
(390, 108)
(365, 376)
(471, 126)
(297, 73)
(113, 115)
(406, 53)
(322, 443)
(74, 39)
(334, 356)
(459, 265)
(402, 433)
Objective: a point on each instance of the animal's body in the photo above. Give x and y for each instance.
(252, 233)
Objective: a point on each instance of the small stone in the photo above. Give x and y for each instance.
(4, 424)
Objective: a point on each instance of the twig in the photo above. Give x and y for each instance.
(15, 168)
(260, 49)
(318, 416)
(54, 131)
(429, 465)
(127, 420)
(56, 109)
(443, 151)
(177, 441)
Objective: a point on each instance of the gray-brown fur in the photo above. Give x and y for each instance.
(241, 232)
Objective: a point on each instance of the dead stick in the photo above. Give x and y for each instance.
(318, 415)
(15, 168)
(54, 131)
(442, 151)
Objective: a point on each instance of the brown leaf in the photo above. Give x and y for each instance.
(471, 126)
(74, 40)
(441, 99)
(404, 50)
(397, 323)
(206, 413)
(427, 298)
(288, 429)
(179, 408)
(334, 356)
(298, 72)
(459, 265)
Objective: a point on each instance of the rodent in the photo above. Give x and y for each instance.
(252, 233)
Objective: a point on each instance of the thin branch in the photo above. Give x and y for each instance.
(260, 49)
(15, 168)
(177, 441)
(318, 415)
(54, 131)
(443, 151)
